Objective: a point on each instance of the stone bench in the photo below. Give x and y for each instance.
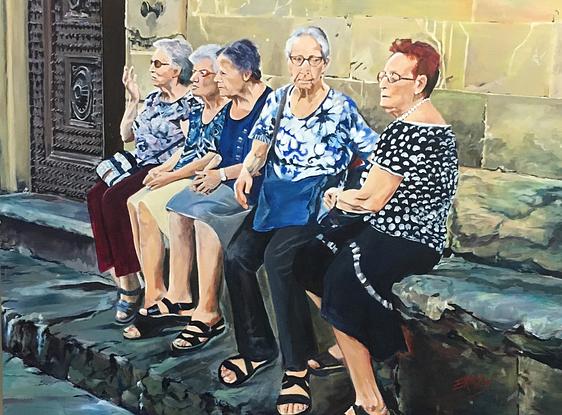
(486, 336)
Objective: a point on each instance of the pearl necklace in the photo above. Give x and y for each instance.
(412, 110)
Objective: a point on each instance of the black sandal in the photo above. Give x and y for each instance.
(173, 311)
(195, 338)
(129, 308)
(328, 364)
(358, 410)
(241, 377)
(289, 398)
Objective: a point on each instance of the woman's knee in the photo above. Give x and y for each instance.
(145, 215)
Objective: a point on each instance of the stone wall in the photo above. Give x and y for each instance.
(14, 116)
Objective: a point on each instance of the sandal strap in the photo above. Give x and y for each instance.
(291, 380)
(124, 306)
(173, 308)
(122, 291)
(327, 361)
(238, 370)
(293, 398)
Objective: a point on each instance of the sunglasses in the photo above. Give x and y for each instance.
(157, 64)
(202, 72)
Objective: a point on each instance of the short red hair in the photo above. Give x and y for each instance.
(427, 60)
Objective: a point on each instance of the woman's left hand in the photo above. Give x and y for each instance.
(206, 181)
(351, 201)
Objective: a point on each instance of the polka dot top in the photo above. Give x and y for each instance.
(425, 155)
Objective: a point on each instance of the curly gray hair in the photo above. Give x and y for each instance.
(313, 31)
(206, 52)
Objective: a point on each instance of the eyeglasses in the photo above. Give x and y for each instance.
(312, 60)
(202, 72)
(392, 77)
(157, 64)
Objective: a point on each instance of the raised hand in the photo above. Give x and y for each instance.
(129, 80)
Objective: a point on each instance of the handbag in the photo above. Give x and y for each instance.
(124, 164)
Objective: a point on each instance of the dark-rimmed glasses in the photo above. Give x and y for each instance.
(392, 77)
(157, 64)
(312, 60)
(202, 72)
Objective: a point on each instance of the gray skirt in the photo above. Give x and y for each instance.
(219, 210)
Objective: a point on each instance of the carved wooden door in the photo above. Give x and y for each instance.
(76, 56)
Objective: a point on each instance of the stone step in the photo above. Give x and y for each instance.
(61, 321)
(47, 226)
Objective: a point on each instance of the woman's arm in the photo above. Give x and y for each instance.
(186, 171)
(375, 193)
(129, 80)
(251, 166)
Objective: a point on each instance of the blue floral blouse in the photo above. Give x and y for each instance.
(322, 143)
(201, 138)
(157, 128)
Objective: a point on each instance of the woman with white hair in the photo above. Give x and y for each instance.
(157, 134)
(314, 132)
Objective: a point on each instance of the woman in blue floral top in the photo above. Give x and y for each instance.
(157, 134)
(319, 132)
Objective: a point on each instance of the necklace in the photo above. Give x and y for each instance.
(412, 110)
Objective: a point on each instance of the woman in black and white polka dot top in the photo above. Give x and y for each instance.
(405, 196)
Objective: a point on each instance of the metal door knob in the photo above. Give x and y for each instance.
(147, 8)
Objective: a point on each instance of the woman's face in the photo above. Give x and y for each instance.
(203, 79)
(306, 63)
(400, 95)
(162, 70)
(230, 80)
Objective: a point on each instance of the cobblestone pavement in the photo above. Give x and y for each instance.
(28, 391)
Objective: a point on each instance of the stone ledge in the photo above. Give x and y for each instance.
(51, 211)
(503, 310)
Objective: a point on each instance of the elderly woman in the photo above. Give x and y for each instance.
(157, 134)
(147, 208)
(317, 131)
(405, 196)
(203, 219)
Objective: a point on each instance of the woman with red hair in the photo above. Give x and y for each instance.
(404, 199)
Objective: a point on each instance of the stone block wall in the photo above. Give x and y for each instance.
(501, 83)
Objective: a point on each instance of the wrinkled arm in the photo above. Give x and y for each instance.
(256, 158)
(126, 126)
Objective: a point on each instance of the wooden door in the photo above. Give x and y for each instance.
(76, 56)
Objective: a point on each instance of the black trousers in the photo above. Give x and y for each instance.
(247, 251)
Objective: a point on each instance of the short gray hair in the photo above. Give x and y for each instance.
(206, 52)
(178, 50)
(313, 31)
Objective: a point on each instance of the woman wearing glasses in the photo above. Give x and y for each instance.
(147, 207)
(405, 196)
(157, 134)
(204, 218)
(319, 131)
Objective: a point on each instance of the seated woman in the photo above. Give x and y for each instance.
(318, 133)
(405, 196)
(147, 207)
(203, 219)
(157, 134)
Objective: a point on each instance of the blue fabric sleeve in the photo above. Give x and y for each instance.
(263, 128)
(362, 137)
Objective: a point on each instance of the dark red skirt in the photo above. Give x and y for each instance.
(111, 225)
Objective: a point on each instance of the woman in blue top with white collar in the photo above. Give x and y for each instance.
(318, 133)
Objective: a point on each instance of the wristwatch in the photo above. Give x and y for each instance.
(222, 174)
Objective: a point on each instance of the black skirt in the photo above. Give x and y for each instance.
(352, 268)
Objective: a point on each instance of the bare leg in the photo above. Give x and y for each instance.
(209, 265)
(134, 218)
(182, 249)
(358, 361)
(334, 350)
(151, 256)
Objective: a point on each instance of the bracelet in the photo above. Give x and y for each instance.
(222, 174)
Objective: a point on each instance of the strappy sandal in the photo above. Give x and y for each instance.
(197, 338)
(241, 377)
(327, 364)
(129, 308)
(358, 410)
(173, 313)
(291, 398)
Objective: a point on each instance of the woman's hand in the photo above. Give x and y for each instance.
(160, 180)
(351, 201)
(206, 181)
(129, 80)
(243, 186)
(331, 197)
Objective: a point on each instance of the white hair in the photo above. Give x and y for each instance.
(313, 31)
(178, 50)
(206, 52)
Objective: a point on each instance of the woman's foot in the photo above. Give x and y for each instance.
(236, 370)
(130, 291)
(327, 362)
(202, 328)
(168, 307)
(294, 398)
